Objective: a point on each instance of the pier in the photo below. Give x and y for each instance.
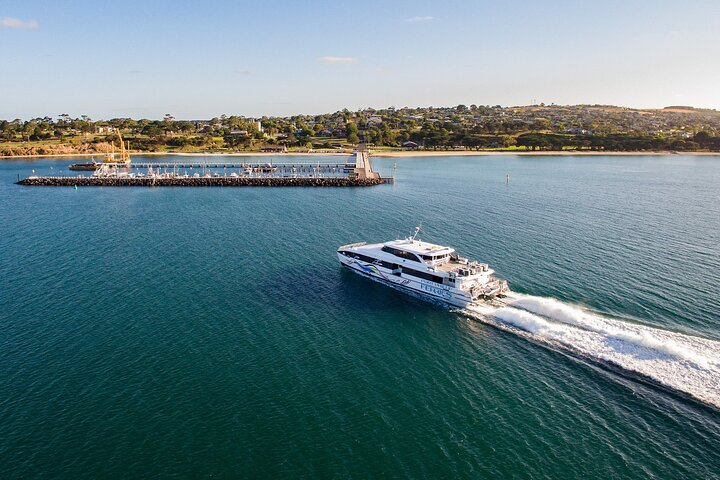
(357, 173)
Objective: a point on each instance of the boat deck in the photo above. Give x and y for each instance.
(450, 266)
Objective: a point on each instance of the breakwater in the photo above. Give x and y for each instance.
(210, 181)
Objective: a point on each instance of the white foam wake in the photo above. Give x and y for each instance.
(683, 362)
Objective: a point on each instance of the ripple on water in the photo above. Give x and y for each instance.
(210, 332)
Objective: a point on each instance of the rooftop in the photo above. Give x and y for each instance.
(420, 247)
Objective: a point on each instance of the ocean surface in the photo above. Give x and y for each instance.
(211, 333)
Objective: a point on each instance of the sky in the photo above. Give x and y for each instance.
(197, 60)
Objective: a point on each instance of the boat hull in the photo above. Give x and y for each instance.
(88, 167)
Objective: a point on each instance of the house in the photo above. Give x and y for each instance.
(576, 131)
(374, 120)
(105, 129)
(410, 145)
(682, 134)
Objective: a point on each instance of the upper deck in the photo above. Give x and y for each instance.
(418, 247)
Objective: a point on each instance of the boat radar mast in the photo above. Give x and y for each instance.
(417, 230)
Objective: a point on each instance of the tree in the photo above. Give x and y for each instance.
(532, 140)
(169, 122)
(703, 139)
(352, 132)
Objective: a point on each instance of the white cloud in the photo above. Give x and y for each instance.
(337, 60)
(9, 22)
(419, 19)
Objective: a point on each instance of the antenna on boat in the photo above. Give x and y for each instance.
(417, 230)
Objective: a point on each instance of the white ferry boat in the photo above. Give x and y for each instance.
(426, 269)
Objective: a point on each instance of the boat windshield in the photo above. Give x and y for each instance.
(436, 259)
(401, 253)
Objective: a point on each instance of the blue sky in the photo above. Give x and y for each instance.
(203, 59)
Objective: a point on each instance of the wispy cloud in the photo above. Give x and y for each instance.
(419, 19)
(337, 60)
(10, 22)
(135, 72)
(242, 72)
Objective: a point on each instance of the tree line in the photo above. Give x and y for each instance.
(618, 142)
(430, 128)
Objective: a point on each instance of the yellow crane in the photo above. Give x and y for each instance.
(124, 152)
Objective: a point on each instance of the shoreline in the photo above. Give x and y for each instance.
(398, 154)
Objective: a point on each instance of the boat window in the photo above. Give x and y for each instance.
(364, 258)
(401, 253)
(388, 265)
(433, 258)
(358, 256)
(423, 275)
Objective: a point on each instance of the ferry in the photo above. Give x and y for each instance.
(431, 271)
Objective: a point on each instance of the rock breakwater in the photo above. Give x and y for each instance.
(81, 181)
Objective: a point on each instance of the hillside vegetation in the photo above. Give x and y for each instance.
(537, 127)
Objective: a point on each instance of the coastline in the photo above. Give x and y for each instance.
(393, 154)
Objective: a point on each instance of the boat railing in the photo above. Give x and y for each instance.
(353, 245)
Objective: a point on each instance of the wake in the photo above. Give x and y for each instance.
(682, 362)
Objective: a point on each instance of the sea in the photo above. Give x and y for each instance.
(211, 333)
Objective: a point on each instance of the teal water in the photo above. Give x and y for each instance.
(209, 332)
